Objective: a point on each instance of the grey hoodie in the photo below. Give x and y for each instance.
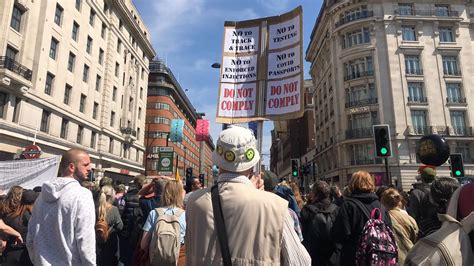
(61, 228)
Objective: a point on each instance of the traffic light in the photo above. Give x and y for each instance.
(189, 172)
(294, 167)
(383, 146)
(189, 179)
(457, 166)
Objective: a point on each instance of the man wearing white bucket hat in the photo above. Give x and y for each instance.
(233, 223)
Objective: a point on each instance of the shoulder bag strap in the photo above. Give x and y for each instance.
(220, 225)
(361, 206)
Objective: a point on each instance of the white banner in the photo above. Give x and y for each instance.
(239, 69)
(285, 33)
(242, 40)
(283, 96)
(237, 100)
(28, 173)
(284, 64)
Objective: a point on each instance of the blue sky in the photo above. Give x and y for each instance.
(188, 35)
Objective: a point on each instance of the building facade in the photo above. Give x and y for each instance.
(75, 74)
(166, 101)
(402, 63)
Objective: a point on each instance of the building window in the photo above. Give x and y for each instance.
(117, 69)
(415, 92)
(450, 66)
(361, 67)
(405, 9)
(142, 75)
(15, 22)
(442, 10)
(361, 95)
(3, 103)
(80, 131)
(11, 53)
(95, 110)
(92, 18)
(102, 31)
(16, 110)
(85, 73)
(446, 35)
(139, 113)
(78, 4)
(465, 151)
(119, 46)
(93, 139)
(120, 24)
(114, 94)
(101, 56)
(48, 87)
(141, 93)
(53, 49)
(408, 33)
(82, 103)
(412, 65)
(58, 15)
(44, 126)
(111, 145)
(64, 126)
(362, 154)
(458, 121)
(418, 118)
(67, 94)
(71, 62)
(98, 81)
(138, 133)
(112, 118)
(161, 120)
(454, 93)
(75, 31)
(354, 38)
(89, 45)
(130, 104)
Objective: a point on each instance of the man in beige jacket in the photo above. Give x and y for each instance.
(259, 229)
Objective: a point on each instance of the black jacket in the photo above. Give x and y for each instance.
(131, 203)
(316, 222)
(350, 221)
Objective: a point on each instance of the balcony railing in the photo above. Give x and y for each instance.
(128, 131)
(452, 72)
(462, 131)
(456, 100)
(355, 16)
(418, 130)
(426, 13)
(359, 75)
(361, 102)
(440, 130)
(359, 133)
(362, 161)
(12, 65)
(414, 71)
(417, 99)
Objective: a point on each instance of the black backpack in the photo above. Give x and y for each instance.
(321, 223)
(428, 214)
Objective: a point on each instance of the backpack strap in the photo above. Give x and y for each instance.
(361, 206)
(220, 226)
(160, 211)
(178, 212)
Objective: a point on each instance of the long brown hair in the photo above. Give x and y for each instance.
(296, 192)
(12, 202)
(172, 194)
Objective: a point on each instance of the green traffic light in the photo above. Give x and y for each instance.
(457, 173)
(383, 151)
(295, 173)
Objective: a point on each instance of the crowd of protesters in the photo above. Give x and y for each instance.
(72, 221)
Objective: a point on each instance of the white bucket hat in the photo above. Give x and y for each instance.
(236, 149)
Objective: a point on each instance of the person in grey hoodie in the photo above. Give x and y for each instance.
(61, 229)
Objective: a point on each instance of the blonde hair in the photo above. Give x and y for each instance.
(172, 194)
(362, 181)
(391, 198)
(107, 195)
